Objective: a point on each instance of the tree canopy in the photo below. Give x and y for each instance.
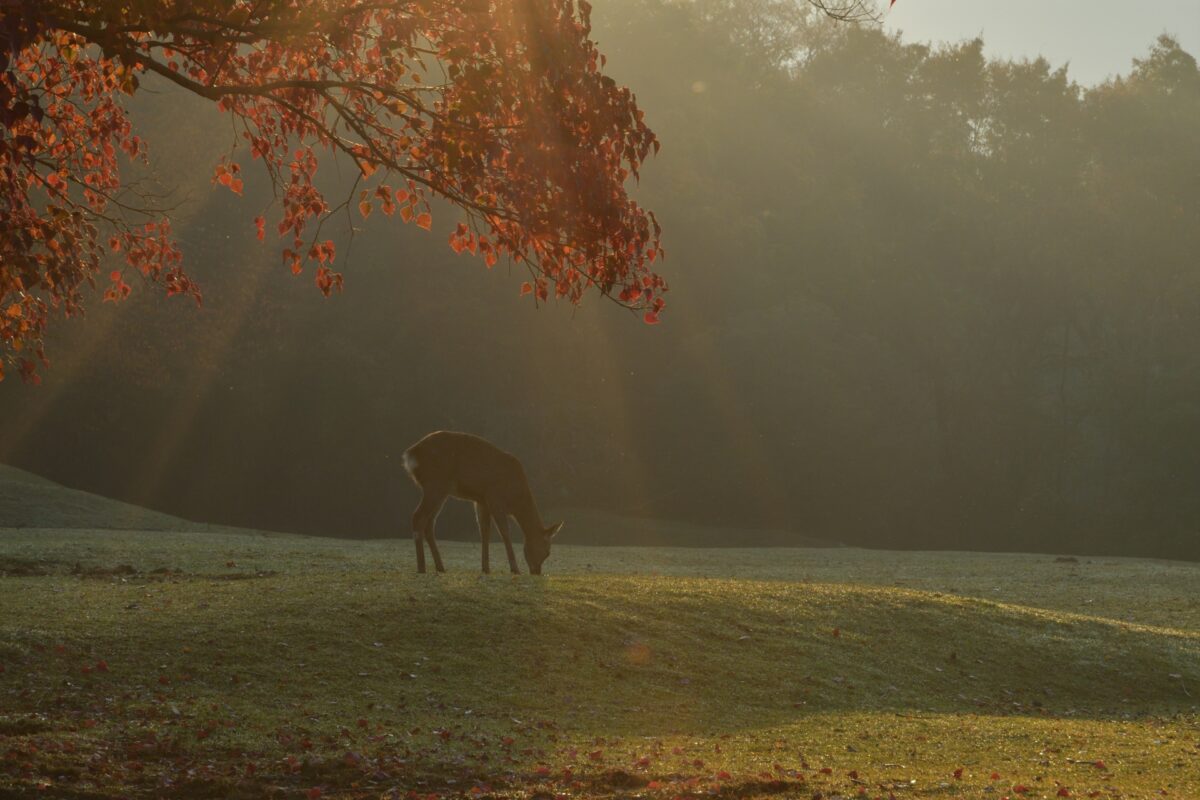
(499, 106)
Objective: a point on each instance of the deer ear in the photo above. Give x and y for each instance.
(553, 529)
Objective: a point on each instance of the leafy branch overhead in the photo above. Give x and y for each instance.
(498, 106)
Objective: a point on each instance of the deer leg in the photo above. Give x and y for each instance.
(422, 519)
(485, 532)
(502, 526)
(432, 542)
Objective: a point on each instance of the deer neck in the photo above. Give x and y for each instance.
(530, 520)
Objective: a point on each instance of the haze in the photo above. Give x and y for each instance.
(1097, 38)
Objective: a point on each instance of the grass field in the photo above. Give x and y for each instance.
(237, 664)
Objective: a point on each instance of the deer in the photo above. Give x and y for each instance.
(449, 464)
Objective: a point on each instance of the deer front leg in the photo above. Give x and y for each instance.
(502, 526)
(484, 517)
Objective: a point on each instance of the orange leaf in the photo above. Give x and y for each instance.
(424, 221)
(364, 208)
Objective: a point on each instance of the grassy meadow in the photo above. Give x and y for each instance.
(241, 664)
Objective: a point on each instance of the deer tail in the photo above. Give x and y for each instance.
(410, 463)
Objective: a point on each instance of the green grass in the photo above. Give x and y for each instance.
(320, 665)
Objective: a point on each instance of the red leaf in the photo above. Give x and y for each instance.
(1063, 792)
(424, 221)
(651, 318)
(101, 666)
(313, 793)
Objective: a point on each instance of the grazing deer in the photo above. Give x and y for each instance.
(448, 464)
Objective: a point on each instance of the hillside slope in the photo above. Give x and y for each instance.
(30, 501)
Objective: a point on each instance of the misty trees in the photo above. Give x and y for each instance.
(500, 108)
(931, 300)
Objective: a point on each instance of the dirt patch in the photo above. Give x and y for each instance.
(158, 574)
(27, 567)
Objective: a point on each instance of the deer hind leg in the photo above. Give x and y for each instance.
(432, 542)
(484, 517)
(422, 526)
(502, 526)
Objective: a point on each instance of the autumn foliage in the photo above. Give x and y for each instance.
(498, 106)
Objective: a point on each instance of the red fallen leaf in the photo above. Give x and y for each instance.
(1063, 792)
(995, 776)
(596, 755)
(652, 785)
(826, 771)
(1020, 788)
(507, 741)
(643, 761)
(852, 774)
(1098, 764)
(542, 770)
(231, 564)
(85, 669)
(164, 680)
(958, 774)
(698, 764)
(313, 793)
(362, 723)
(724, 776)
(101, 666)
(60, 648)
(837, 632)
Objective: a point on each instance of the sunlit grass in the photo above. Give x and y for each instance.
(288, 663)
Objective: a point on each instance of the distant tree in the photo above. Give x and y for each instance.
(499, 107)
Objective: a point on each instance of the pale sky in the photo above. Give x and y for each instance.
(1098, 37)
